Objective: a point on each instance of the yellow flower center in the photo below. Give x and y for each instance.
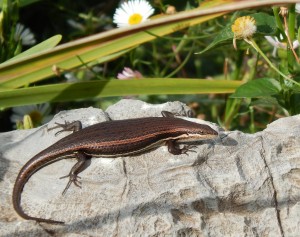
(36, 117)
(135, 18)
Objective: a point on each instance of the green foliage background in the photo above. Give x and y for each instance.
(187, 56)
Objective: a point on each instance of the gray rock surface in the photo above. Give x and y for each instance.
(238, 185)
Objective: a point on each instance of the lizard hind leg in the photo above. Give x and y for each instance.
(83, 161)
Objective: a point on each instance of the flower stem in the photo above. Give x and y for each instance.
(255, 46)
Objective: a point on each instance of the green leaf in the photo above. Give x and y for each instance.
(222, 38)
(265, 25)
(114, 87)
(267, 101)
(43, 46)
(295, 89)
(22, 3)
(258, 88)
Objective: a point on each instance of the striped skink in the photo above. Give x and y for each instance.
(110, 139)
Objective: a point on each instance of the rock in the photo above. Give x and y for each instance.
(239, 184)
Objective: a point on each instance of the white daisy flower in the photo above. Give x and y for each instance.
(39, 114)
(298, 7)
(132, 12)
(24, 34)
(274, 41)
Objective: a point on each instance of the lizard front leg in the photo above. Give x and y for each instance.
(67, 126)
(174, 148)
